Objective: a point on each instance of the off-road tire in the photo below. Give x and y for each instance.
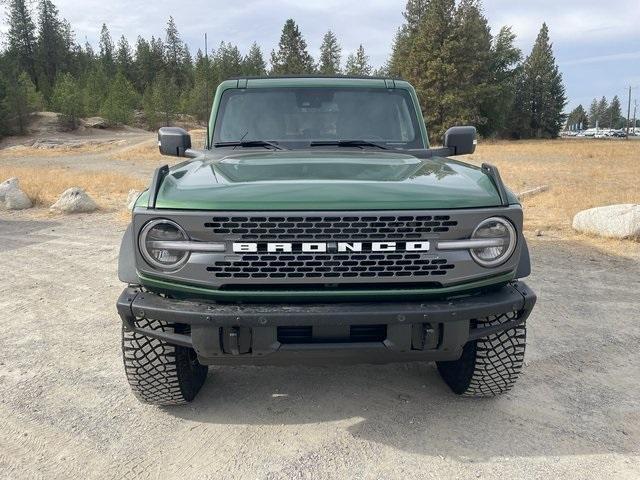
(488, 366)
(160, 373)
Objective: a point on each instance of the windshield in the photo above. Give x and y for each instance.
(297, 117)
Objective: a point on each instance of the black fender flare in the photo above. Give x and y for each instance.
(127, 259)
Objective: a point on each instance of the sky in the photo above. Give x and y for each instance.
(596, 43)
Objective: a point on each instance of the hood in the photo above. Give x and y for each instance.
(325, 180)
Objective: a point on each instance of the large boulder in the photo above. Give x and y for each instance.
(96, 122)
(7, 185)
(74, 200)
(613, 221)
(16, 199)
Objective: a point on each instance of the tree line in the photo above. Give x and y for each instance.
(601, 114)
(463, 73)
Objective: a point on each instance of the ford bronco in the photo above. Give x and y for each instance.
(316, 224)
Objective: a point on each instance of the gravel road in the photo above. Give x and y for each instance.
(66, 410)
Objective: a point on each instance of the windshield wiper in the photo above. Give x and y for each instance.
(347, 143)
(250, 143)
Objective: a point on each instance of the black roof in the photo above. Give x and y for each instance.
(355, 77)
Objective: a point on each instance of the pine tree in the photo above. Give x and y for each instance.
(149, 108)
(94, 91)
(594, 114)
(4, 114)
(542, 94)
(253, 63)
(199, 99)
(106, 51)
(143, 65)
(121, 101)
(174, 54)
(603, 109)
(227, 61)
(71, 52)
(358, 63)
(428, 64)
(330, 55)
(504, 70)
(88, 51)
(186, 66)
(413, 14)
(67, 101)
(21, 101)
(124, 59)
(577, 119)
(51, 46)
(21, 37)
(165, 99)
(472, 91)
(292, 57)
(614, 114)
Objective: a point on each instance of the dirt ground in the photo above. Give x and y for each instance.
(66, 410)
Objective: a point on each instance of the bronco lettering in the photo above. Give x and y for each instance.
(340, 247)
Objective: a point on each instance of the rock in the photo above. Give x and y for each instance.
(533, 191)
(613, 221)
(74, 200)
(96, 122)
(46, 143)
(7, 185)
(16, 199)
(131, 199)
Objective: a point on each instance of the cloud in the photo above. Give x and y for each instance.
(570, 19)
(601, 58)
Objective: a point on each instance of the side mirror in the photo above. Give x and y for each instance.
(173, 141)
(460, 140)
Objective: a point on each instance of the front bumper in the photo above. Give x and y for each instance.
(328, 333)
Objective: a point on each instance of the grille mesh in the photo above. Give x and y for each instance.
(374, 227)
(327, 265)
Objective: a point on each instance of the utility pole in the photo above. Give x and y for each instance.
(635, 107)
(629, 111)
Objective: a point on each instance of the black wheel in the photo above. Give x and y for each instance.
(488, 366)
(160, 373)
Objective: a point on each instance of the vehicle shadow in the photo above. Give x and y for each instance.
(407, 407)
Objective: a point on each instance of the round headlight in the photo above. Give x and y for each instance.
(153, 244)
(502, 231)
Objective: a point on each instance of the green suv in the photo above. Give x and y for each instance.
(317, 225)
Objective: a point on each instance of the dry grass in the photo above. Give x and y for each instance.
(581, 174)
(44, 185)
(146, 152)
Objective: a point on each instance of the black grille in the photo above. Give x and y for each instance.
(327, 265)
(375, 227)
(357, 334)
